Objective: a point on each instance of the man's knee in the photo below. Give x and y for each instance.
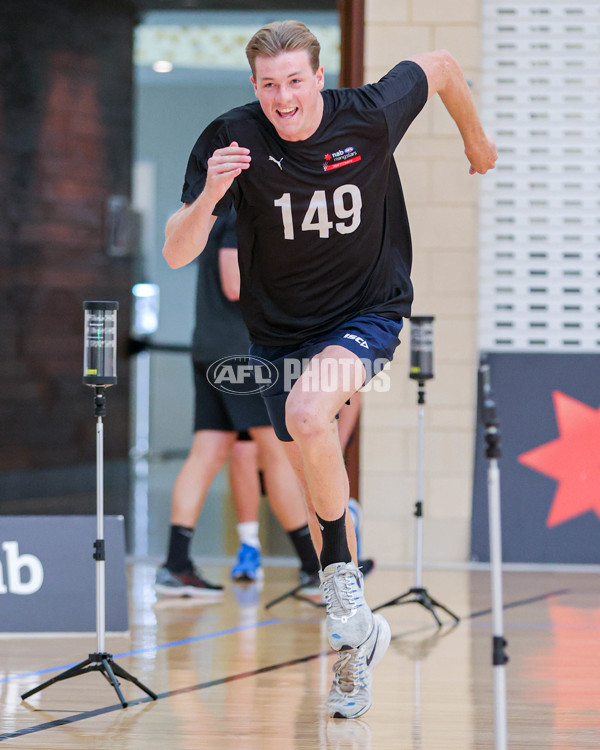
(270, 447)
(304, 418)
(212, 447)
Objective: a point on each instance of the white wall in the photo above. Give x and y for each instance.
(442, 205)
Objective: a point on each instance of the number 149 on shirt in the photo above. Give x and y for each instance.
(316, 218)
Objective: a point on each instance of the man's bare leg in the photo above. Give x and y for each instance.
(285, 492)
(177, 577)
(311, 410)
(210, 449)
(287, 498)
(330, 379)
(295, 458)
(244, 482)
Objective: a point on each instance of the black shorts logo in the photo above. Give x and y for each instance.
(242, 375)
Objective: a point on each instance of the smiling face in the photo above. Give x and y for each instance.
(289, 92)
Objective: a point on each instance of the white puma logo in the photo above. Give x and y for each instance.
(278, 162)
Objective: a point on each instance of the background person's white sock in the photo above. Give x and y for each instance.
(248, 533)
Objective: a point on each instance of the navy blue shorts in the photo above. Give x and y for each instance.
(225, 412)
(371, 337)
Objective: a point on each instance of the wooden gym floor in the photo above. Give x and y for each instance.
(234, 676)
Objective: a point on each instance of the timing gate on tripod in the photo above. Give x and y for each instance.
(421, 369)
(99, 372)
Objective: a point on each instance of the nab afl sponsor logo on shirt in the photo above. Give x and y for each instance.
(341, 158)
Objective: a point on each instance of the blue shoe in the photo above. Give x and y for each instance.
(248, 566)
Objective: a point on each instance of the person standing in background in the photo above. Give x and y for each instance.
(220, 419)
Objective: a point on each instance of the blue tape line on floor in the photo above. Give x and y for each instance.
(158, 647)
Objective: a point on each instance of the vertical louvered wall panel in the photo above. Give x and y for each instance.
(540, 208)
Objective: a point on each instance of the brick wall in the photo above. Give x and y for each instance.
(442, 205)
(65, 146)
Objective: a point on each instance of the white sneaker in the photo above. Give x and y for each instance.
(351, 693)
(349, 619)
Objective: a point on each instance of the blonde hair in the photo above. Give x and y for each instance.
(283, 36)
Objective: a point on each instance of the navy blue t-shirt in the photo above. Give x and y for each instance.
(322, 226)
(220, 330)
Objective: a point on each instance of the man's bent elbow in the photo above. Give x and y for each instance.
(170, 256)
(440, 67)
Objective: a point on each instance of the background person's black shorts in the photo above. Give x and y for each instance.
(226, 412)
(371, 337)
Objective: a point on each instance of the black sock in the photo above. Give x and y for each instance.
(179, 549)
(300, 538)
(335, 542)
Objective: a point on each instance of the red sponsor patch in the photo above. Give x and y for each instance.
(337, 164)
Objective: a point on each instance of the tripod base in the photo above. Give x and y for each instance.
(422, 597)
(295, 594)
(97, 663)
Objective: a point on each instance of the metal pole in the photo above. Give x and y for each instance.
(419, 503)
(493, 452)
(142, 404)
(417, 707)
(499, 657)
(495, 546)
(99, 545)
(140, 453)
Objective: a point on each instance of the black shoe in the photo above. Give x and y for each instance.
(366, 566)
(310, 583)
(186, 583)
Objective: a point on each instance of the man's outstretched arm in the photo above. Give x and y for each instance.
(188, 228)
(445, 77)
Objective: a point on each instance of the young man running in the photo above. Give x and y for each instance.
(325, 257)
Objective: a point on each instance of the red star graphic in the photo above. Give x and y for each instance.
(573, 460)
(327, 157)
